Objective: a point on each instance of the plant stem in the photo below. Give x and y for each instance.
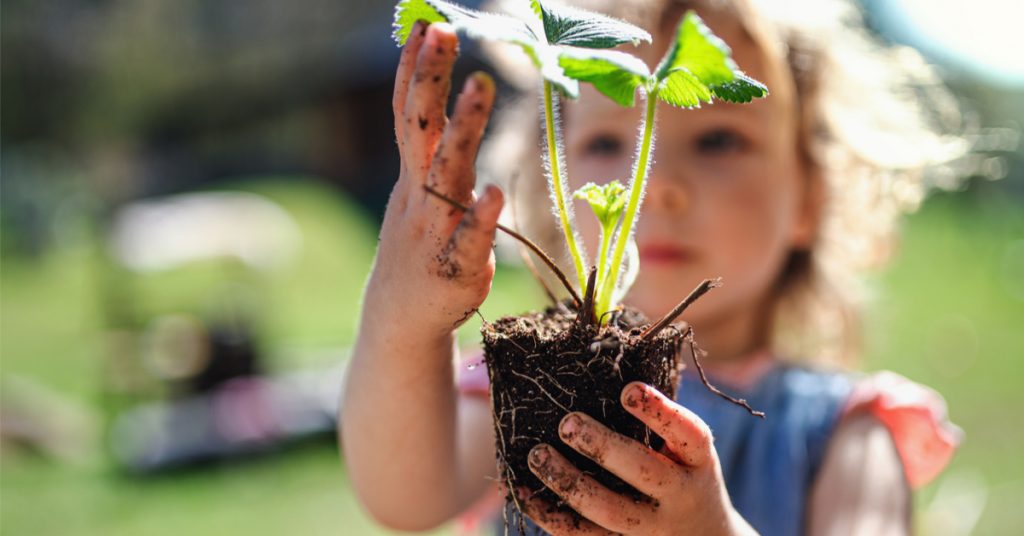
(636, 192)
(701, 290)
(558, 186)
(602, 259)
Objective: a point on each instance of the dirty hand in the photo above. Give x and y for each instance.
(683, 480)
(435, 263)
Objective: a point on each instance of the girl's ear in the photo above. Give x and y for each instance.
(810, 208)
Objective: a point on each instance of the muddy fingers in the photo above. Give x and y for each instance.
(686, 436)
(452, 170)
(592, 500)
(557, 523)
(403, 76)
(649, 472)
(468, 250)
(427, 96)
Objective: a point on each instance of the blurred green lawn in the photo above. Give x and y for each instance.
(943, 315)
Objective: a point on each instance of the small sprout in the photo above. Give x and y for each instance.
(607, 202)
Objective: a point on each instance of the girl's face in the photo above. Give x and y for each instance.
(725, 197)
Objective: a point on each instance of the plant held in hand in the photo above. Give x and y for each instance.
(545, 365)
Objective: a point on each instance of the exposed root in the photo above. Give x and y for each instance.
(704, 379)
(542, 389)
(465, 316)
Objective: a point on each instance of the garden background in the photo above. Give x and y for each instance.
(277, 115)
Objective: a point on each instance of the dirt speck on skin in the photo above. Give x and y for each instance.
(448, 268)
(589, 447)
(632, 402)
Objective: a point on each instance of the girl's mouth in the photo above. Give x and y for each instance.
(664, 254)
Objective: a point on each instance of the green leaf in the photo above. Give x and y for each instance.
(699, 51)
(545, 58)
(683, 89)
(535, 7)
(476, 24)
(697, 67)
(480, 25)
(576, 27)
(407, 13)
(615, 74)
(607, 201)
(742, 89)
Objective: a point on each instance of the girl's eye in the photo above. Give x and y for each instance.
(721, 141)
(603, 145)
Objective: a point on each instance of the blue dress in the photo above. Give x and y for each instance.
(769, 465)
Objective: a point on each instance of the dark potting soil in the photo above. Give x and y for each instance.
(545, 365)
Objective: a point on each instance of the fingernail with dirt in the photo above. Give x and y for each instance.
(443, 38)
(632, 395)
(570, 426)
(482, 81)
(539, 456)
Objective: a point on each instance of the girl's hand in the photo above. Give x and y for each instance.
(683, 481)
(434, 265)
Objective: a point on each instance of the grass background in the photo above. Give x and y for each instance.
(949, 313)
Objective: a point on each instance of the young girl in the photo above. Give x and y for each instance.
(777, 197)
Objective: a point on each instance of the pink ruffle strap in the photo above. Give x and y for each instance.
(915, 416)
(472, 378)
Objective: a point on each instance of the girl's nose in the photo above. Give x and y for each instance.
(666, 191)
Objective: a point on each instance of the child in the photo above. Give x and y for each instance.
(772, 196)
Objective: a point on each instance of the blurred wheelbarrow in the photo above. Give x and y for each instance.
(185, 381)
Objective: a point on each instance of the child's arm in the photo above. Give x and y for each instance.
(861, 488)
(417, 455)
(684, 478)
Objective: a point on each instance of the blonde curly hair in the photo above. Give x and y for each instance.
(876, 125)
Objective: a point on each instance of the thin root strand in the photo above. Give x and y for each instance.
(704, 379)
